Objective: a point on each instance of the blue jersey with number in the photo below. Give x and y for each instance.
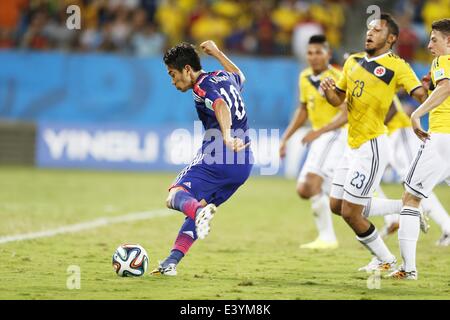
(212, 175)
(209, 88)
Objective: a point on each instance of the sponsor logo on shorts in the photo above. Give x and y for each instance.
(187, 184)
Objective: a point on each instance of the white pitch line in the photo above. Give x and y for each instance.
(100, 222)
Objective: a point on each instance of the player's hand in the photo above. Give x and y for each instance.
(426, 81)
(282, 149)
(328, 84)
(235, 144)
(209, 47)
(420, 133)
(311, 136)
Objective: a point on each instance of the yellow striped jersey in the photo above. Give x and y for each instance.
(320, 112)
(400, 119)
(440, 116)
(370, 86)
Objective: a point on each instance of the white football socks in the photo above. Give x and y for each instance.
(382, 207)
(320, 205)
(376, 246)
(408, 234)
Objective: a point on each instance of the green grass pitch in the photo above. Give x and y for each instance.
(252, 251)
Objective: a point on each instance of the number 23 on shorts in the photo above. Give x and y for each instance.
(358, 180)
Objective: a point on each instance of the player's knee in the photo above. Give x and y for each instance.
(306, 190)
(336, 206)
(169, 201)
(351, 213)
(348, 216)
(411, 200)
(170, 197)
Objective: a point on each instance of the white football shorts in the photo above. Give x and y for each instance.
(360, 171)
(324, 153)
(430, 166)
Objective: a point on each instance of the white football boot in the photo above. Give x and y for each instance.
(203, 220)
(377, 265)
(169, 270)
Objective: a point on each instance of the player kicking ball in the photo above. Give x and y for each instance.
(431, 165)
(224, 161)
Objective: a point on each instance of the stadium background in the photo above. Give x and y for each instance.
(100, 99)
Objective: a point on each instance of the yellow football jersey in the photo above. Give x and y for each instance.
(320, 112)
(400, 119)
(440, 116)
(370, 86)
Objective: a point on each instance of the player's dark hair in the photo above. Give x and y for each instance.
(181, 55)
(391, 24)
(442, 25)
(319, 39)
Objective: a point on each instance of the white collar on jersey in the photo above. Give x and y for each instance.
(377, 57)
(317, 78)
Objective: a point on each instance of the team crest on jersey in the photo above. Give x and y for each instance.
(379, 71)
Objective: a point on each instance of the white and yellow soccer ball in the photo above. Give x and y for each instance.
(130, 260)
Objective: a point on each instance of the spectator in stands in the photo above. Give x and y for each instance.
(59, 36)
(35, 37)
(269, 27)
(285, 16)
(6, 38)
(171, 18)
(408, 40)
(211, 25)
(435, 10)
(330, 15)
(303, 31)
(145, 40)
(107, 43)
(265, 30)
(120, 28)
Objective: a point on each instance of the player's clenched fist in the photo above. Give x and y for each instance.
(327, 84)
(236, 144)
(209, 47)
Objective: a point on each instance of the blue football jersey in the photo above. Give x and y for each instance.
(227, 86)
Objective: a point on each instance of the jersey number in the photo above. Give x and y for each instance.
(238, 103)
(358, 180)
(358, 89)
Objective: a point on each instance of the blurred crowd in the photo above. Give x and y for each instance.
(256, 27)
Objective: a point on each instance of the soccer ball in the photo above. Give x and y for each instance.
(130, 260)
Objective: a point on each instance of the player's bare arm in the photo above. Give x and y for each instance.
(437, 97)
(223, 116)
(338, 121)
(300, 116)
(332, 94)
(391, 113)
(210, 48)
(420, 94)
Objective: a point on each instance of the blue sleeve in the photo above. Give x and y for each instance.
(209, 91)
(237, 78)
